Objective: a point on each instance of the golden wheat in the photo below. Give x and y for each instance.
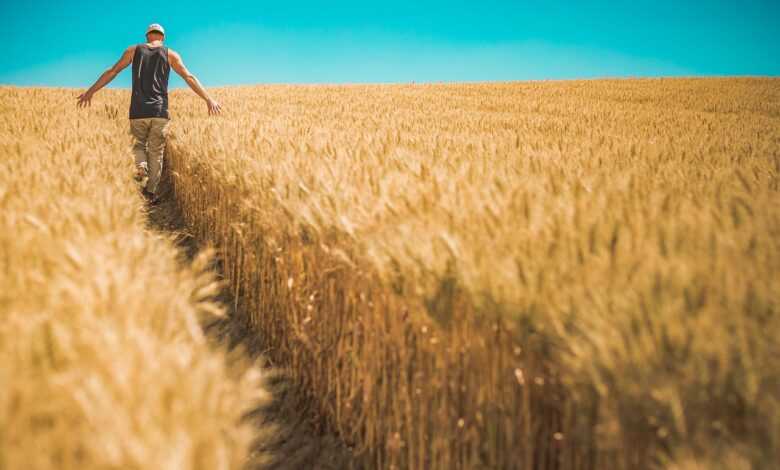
(522, 275)
(537, 275)
(102, 360)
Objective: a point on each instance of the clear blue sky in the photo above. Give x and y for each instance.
(68, 43)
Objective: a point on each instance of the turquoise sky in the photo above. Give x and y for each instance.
(68, 43)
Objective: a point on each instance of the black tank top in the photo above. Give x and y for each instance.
(150, 82)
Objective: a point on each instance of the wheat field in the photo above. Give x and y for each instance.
(103, 364)
(546, 275)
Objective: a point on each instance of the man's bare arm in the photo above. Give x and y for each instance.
(106, 77)
(178, 66)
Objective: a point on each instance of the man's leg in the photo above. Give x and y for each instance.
(139, 129)
(157, 134)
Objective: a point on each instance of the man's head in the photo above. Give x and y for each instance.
(155, 32)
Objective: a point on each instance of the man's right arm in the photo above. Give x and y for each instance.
(85, 99)
(178, 66)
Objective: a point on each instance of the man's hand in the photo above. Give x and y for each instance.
(84, 100)
(214, 107)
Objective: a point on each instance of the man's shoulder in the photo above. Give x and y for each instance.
(174, 56)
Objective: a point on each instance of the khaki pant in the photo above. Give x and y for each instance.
(148, 147)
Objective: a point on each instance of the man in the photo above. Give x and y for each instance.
(149, 118)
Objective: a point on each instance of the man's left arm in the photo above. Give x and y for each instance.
(105, 78)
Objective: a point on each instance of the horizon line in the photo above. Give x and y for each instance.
(432, 82)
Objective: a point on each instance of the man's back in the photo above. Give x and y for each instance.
(151, 70)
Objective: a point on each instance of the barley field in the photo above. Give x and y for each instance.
(538, 275)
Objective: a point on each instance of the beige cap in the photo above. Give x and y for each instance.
(155, 27)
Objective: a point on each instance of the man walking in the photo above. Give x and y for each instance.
(149, 118)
